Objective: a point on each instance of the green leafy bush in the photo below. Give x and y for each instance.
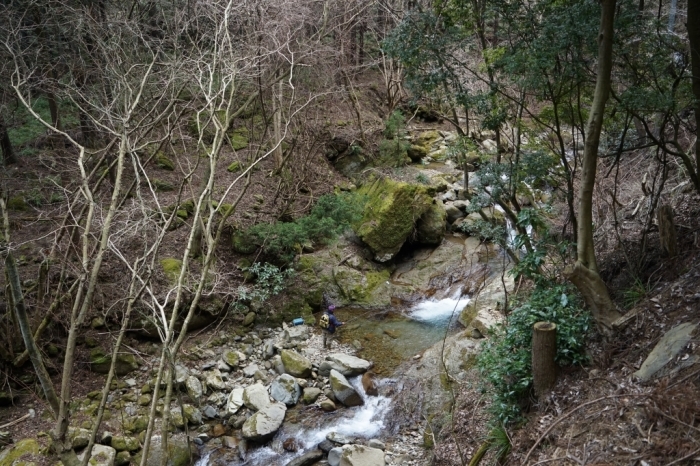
(330, 217)
(269, 281)
(506, 361)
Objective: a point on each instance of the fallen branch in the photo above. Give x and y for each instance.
(686, 457)
(17, 421)
(564, 416)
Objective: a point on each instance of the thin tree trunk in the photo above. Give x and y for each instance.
(25, 328)
(584, 274)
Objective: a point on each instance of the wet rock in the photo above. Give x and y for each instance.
(263, 424)
(344, 392)
(307, 459)
(430, 227)
(326, 446)
(255, 397)
(345, 364)
(665, 350)
(369, 384)
(235, 400)
(339, 439)
(194, 388)
(310, 395)
(376, 443)
(230, 442)
(329, 394)
(268, 349)
(359, 455)
(214, 380)
(295, 364)
(101, 455)
(327, 405)
(290, 445)
(285, 389)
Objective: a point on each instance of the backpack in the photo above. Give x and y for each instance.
(325, 321)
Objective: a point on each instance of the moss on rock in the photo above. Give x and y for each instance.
(164, 162)
(431, 226)
(171, 268)
(13, 456)
(17, 203)
(390, 215)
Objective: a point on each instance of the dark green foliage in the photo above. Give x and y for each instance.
(330, 217)
(506, 361)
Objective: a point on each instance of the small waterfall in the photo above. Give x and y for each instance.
(439, 312)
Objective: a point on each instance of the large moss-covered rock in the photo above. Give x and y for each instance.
(390, 215)
(362, 287)
(100, 362)
(13, 456)
(101, 455)
(295, 364)
(430, 228)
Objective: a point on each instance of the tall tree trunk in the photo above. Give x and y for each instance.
(584, 273)
(8, 154)
(693, 26)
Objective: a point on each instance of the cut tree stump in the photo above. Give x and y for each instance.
(544, 349)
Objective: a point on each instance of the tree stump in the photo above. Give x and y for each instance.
(544, 349)
(667, 231)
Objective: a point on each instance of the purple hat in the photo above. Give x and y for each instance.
(331, 308)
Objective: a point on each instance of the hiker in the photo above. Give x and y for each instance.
(329, 322)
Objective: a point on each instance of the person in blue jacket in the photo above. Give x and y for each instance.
(333, 323)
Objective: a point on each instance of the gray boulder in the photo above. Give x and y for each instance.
(194, 388)
(231, 358)
(343, 391)
(296, 334)
(263, 424)
(250, 370)
(345, 364)
(285, 389)
(255, 397)
(360, 455)
(295, 364)
(310, 395)
(666, 350)
(307, 459)
(214, 380)
(101, 455)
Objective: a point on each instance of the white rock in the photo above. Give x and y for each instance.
(255, 397)
(214, 380)
(235, 400)
(263, 424)
(101, 455)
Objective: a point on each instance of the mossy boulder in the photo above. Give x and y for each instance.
(163, 186)
(121, 443)
(239, 138)
(171, 268)
(135, 424)
(179, 453)
(13, 456)
(431, 226)
(164, 162)
(417, 152)
(234, 167)
(101, 361)
(390, 215)
(295, 364)
(369, 288)
(17, 203)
